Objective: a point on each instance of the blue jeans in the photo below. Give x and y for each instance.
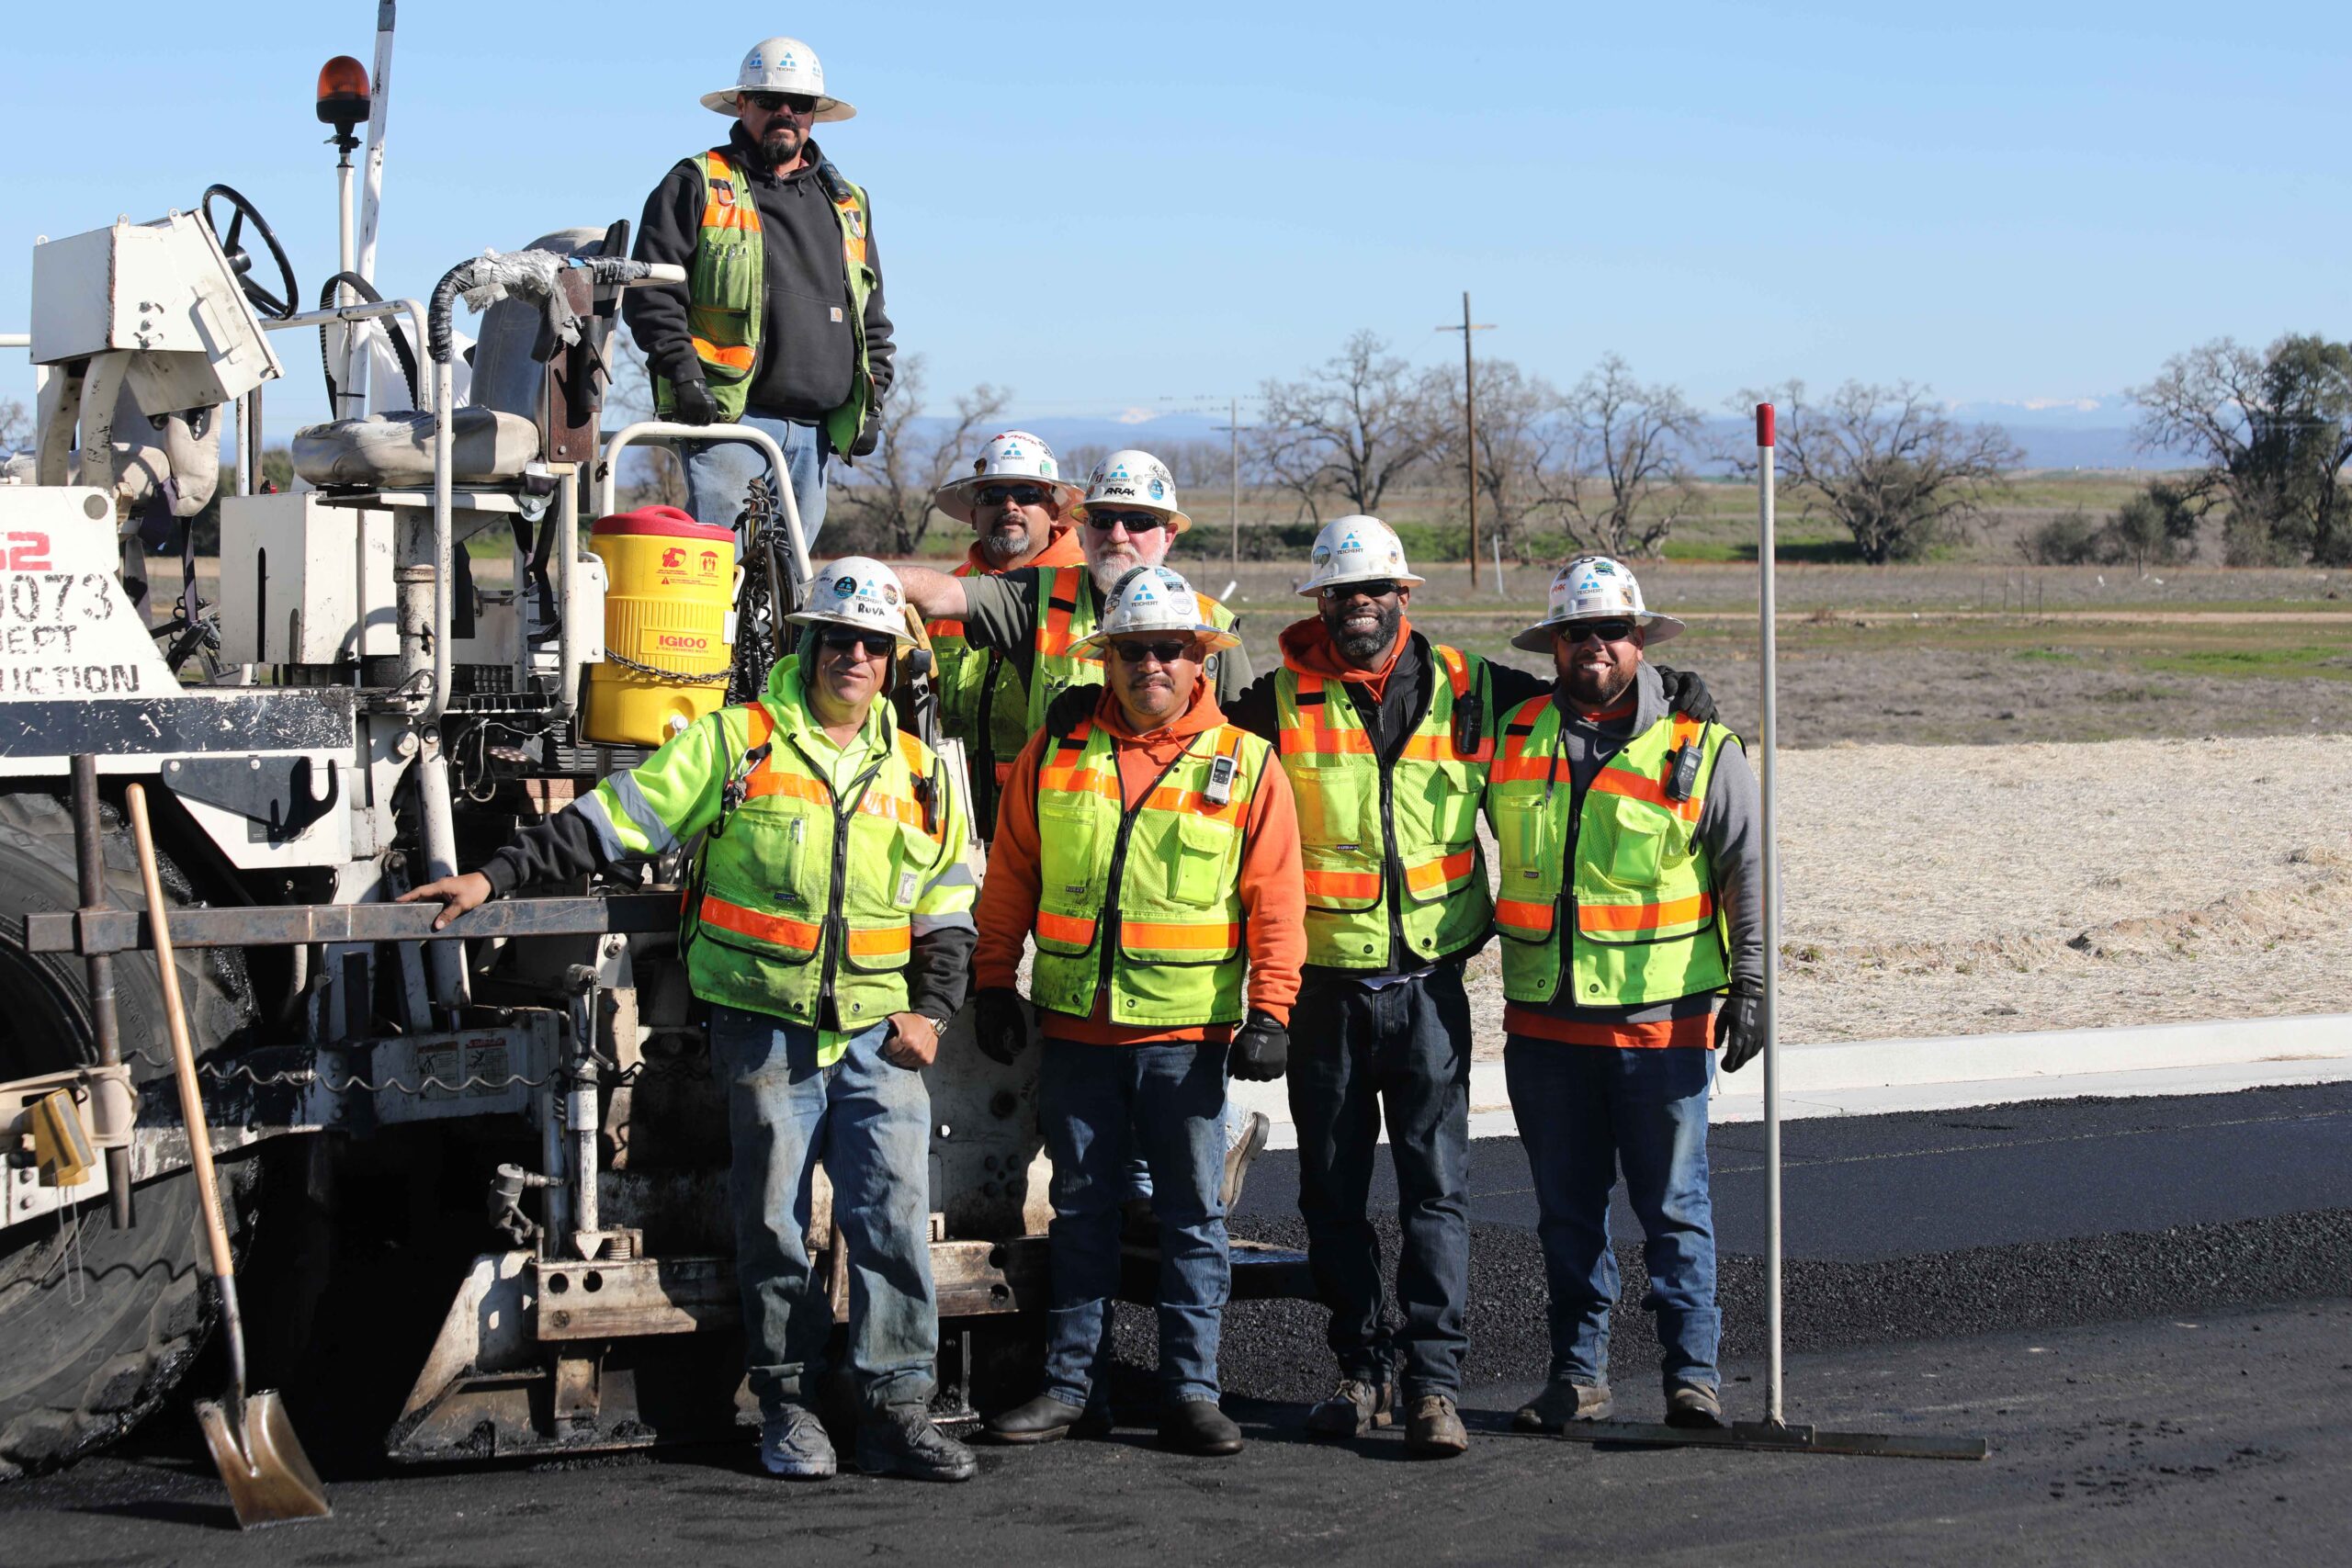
(1096, 1103)
(719, 473)
(1404, 1048)
(1581, 1110)
(869, 1120)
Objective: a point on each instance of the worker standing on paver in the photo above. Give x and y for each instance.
(829, 925)
(1150, 852)
(1631, 902)
(780, 323)
(1014, 500)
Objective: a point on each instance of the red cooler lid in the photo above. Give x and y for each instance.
(665, 521)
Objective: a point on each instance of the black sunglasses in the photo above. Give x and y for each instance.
(876, 645)
(1380, 588)
(1134, 521)
(1616, 630)
(1020, 495)
(1166, 652)
(798, 103)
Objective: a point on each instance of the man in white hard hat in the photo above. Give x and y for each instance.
(1148, 850)
(828, 997)
(781, 323)
(1016, 502)
(1630, 913)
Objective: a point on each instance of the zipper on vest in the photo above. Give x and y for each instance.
(836, 936)
(1392, 870)
(1110, 914)
(984, 776)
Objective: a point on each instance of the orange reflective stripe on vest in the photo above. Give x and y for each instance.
(1062, 590)
(1524, 914)
(1218, 936)
(1646, 917)
(781, 929)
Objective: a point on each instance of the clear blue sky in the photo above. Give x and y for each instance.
(1103, 206)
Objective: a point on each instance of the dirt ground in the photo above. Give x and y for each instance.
(1972, 890)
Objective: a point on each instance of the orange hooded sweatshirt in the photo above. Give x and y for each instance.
(1062, 550)
(1307, 648)
(1274, 891)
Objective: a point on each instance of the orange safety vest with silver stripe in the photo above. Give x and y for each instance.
(1366, 825)
(727, 293)
(1066, 615)
(1146, 903)
(1639, 901)
(801, 896)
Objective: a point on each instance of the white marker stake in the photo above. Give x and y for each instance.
(1766, 651)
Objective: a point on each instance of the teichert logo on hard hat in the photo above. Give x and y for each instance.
(845, 586)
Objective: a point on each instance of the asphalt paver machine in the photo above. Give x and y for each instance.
(488, 1166)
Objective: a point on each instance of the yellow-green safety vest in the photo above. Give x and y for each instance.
(1146, 902)
(727, 293)
(1640, 903)
(1066, 615)
(1356, 810)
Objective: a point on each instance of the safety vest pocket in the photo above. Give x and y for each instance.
(1455, 790)
(872, 949)
(1644, 844)
(1203, 873)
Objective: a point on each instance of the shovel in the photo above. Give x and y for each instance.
(261, 1461)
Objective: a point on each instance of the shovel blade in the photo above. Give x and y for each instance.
(261, 1461)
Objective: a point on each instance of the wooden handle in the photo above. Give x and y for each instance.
(199, 1133)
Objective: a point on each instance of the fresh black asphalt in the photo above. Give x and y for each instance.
(2144, 1304)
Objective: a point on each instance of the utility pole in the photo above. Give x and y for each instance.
(1232, 428)
(1470, 421)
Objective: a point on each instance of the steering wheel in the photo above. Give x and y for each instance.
(276, 306)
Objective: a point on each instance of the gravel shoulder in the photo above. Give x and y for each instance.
(1967, 890)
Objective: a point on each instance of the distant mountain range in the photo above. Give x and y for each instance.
(2085, 432)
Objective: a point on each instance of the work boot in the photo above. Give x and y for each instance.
(902, 1441)
(1434, 1429)
(1352, 1409)
(1044, 1419)
(1247, 1148)
(1198, 1426)
(1690, 1405)
(1561, 1402)
(793, 1444)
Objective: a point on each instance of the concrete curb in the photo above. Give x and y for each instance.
(1867, 1077)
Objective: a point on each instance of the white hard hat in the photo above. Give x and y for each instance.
(1154, 599)
(1594, 588)
(1008, 458)
(1139, 479)
(779, 65)
(857, 591)
(1356, 549)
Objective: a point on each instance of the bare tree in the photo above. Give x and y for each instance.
(2272, 432)
(1352, 427)
(883, 506)
(1630, 446)
(1522, 444)
(1884, 462)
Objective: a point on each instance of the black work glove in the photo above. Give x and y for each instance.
(869, 436)
(693, 404)
(1739, 1030)
(998, 1025)
(1262, 1050)
(1686, 694)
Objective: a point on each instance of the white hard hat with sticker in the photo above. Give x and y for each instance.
(1011, 457)
(1133, 480)
(1356, 549)
(779, 65)
(857, 591)
(1595, 588)
(1154, 599)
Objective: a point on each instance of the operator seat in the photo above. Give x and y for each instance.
(495, 435)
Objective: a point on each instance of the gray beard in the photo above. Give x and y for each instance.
(1106, 574)
(1000, 551)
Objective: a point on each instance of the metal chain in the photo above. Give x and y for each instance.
(237, 1072)
(716, 678)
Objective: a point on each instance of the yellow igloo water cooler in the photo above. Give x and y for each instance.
(671, 583)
